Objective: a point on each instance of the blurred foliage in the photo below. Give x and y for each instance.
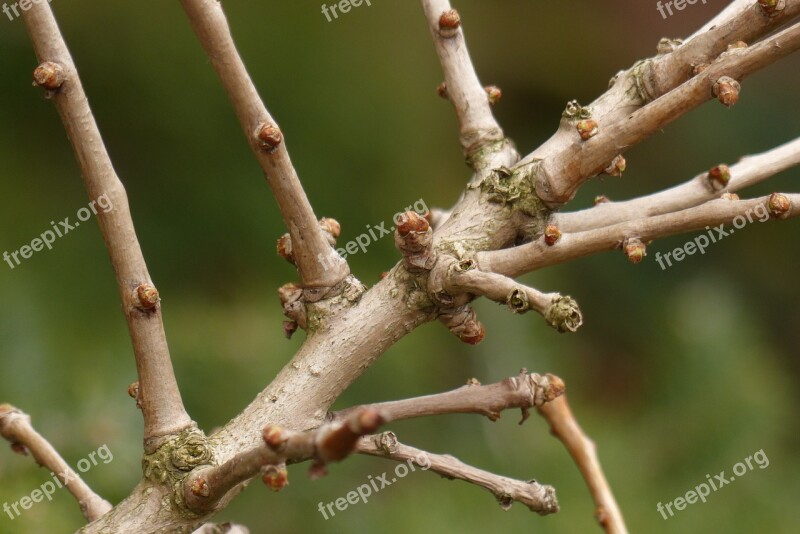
(675, 374)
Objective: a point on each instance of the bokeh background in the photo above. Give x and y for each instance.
(676, 374)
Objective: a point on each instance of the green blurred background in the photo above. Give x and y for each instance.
(675, 373)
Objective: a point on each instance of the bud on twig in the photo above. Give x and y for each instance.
(563, 314)
(779, 205)
(200, 487)
(414, 239)
(772, 7)
(727, 91)
(719, 176)
(551, 235)
(494, 93)
(441, 90)
(147, 297)
(601, 199)
(269, 137)
(587, 128)
(617, 166)
(49, 75)
(276, 477)
(634, 249)
(449, 23)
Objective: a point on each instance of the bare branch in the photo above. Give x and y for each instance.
(317, 262)
(539, 498)
(523, 391)
(15, 426)
(562, 313)
(469, 98)
(558, 176)
(537, 254)
(749, 171)
(205, 489)
(224, 528)
(159, 397)
(583, 450)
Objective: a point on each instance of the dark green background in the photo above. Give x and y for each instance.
(675, 373)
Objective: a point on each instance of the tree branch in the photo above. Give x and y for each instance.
(317, 262)
(332, 442)
(537, 254)
(749, 171)
(464, 90)
(539, 498)
(15, 426)
(559, 175)
(160, 399)
(583, 450)
(562, 313)
(522, 391)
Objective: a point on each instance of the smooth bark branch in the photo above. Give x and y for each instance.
(747, 24)
(524, 391)
(536, 255)
(562, 313)
(583, 450)
(160, 399)
(537, 497)
(464, 90)
(749, 171)
(559, 176)
(15, 426)
(317, 262)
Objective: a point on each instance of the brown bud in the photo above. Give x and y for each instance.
(474, 334)
(449, 23)
(780, 206)
(495, 94)
(587, 128)
(555, 387)
(634, 249)
(551, 235)
(274, 436)
(19, 448)
(772, 7)
(200, 487)
(284, 248)
(384, 274)
(49, 75)
(729, 196)
(473, 382)
(289, 328)
(697, 69)
(617, 166)
(368, 421)
(269, 137)
(276, 477)
(331, 226)
(719, 176)
(601, 199)
(410, 221)
(727, 91)
(442, 90)
(737, 45)
(147, 297)
(289, 293)
(133, 390)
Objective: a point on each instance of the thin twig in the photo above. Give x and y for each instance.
(537, 254)
(537, 497)
(15, 426)
(523, 391)
(159, 396)
(464, 90)
(558, 177)
(749, 171)
(583, 450)
(317, 262)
